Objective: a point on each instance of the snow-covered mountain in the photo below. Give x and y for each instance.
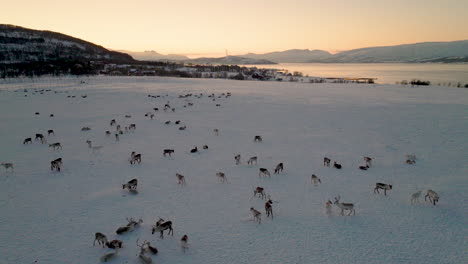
(23, 45)
(230, 60)
(294, 55)
(418, 52)
(151, 55)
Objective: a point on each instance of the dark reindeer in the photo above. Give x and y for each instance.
(326, 162)
(336, 165)
(100, 238)
(382, 186)
(131, 185)
(50, 132)
(162, 225)
(263, 172)
(168, 152)
(40, 137)
(269, 208)
(27, 141)
(279, 168)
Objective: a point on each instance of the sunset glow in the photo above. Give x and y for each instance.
(211, 27)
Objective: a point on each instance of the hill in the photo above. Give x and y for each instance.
(23, 45)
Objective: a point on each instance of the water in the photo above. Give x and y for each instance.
(384, 72)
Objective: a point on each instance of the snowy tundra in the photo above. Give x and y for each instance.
(52, 216)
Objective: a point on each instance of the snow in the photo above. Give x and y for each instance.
(51, 217)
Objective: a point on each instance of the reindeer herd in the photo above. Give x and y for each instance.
(146, 249)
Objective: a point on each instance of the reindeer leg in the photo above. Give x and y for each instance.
(161, 234)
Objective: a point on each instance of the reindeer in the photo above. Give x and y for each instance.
(114, 244)
(364, 167)
(50, 132)
(382, 186)
(55, 146)
(100, 238)
(433, 197)
(238, 159)
(132, 127)
(118, 128)
(151, 116)
(134, 158)
(205, 146)
(128, 116)
(279, 168)
(180, 178)
(85, 129)
(146, 246)
(184, 242)
(256, 215)
(162, 225)
(368, 161)
(142, 255)
(55, 165)
(252, 160)
(168, 152)
(108, 133)
(216, 131)
(263, 172)
(167, 122)
(345, 206)
(7, 165)
(260, 191)
(315, 179)
(27, 141)
(41, 137)
(194, 150)
(131, 225)
(258, 139)
(410, 159)
(326, 162)
(221, 176)
(182, 127)
(269, 208)
(112, 122)
(336, 165)
(116, 137)
(415, 196)
(328, 207)
(131, 185)
(94, 148)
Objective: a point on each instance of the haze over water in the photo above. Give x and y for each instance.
(386, 73)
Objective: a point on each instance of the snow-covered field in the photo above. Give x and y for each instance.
(51, 217)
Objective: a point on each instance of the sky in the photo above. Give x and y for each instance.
(212, 27)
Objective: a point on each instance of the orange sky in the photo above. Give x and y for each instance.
(210, 27)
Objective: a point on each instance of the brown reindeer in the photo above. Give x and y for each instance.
(180, 179)
(269, 208)
(260, 191)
